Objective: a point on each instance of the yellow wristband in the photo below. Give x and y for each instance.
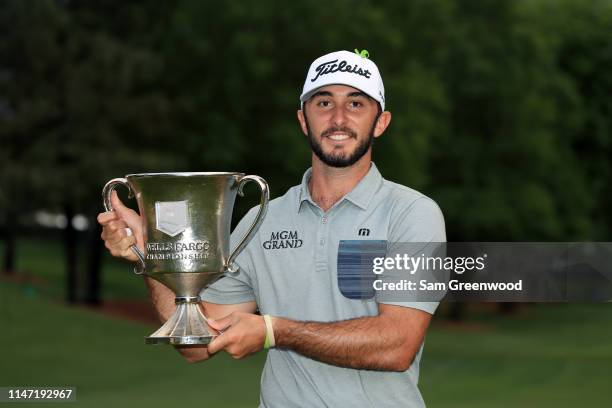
(269, 342)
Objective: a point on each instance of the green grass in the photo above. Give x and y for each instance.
(547, 356)
(544, 356)
(46, 343)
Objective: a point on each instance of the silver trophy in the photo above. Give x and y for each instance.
(186, 226)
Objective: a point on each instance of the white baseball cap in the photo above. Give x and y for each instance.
(345, 68)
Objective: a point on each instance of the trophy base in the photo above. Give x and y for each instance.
(187, 325)
(179, 340)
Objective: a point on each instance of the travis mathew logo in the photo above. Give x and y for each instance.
(330, 67)
(283, 239)
(363, 232)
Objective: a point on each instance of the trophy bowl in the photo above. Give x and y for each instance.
(186, 221)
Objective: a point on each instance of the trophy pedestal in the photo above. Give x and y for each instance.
(187, 325)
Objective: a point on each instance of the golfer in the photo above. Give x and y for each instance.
(325, 350)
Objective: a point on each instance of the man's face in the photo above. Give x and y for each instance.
(341, 122)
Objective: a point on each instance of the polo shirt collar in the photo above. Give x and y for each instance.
(360, 195)
(304, 193)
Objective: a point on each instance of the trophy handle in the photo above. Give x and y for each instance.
(108, 206)
(263, 208)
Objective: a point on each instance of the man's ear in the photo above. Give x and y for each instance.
(302, 120)
(381, 124)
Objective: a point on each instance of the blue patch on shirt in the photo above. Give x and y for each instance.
(355, 261)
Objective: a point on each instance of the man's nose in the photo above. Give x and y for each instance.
(339, 117)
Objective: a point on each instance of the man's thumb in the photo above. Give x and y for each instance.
(117, 203)
(122, 211)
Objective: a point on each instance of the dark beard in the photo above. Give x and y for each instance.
(340, 160)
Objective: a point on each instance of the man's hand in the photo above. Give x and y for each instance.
(115, 233)
(243, 334)
(194, 353)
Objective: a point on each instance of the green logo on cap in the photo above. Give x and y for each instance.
(362, 53)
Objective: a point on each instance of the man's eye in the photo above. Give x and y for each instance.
(355, 104)
(324, 104)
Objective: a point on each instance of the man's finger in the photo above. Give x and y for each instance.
(114, 231)
(218, 343)
(116, 226)
(221, 324)
(112, 237)
(107, 217)
(126, 245)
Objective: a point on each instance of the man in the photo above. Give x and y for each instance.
(329, 350)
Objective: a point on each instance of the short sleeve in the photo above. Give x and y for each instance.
(236, 287)
(421, 222)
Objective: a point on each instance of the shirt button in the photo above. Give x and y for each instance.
(324, 220)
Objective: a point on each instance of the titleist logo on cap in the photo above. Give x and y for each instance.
(330, 67)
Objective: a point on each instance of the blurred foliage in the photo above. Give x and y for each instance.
(501, 108)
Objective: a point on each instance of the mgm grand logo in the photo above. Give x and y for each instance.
(283, 239)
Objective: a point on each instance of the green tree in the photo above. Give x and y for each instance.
(85, 106)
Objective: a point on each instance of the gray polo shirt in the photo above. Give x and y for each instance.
(290, 269)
